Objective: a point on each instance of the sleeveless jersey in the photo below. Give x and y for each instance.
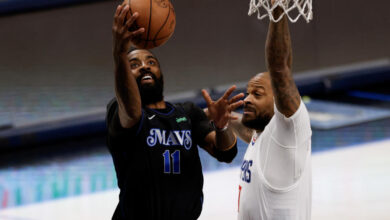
(157, 164)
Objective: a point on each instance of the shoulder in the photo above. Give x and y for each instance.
(111, 103)
(301, 114)
(186, 106)
(111, 108)
(198, 118)
(189, 108)
(294, 129)
(113, 124)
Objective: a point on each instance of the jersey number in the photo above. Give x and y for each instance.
(175, 162)
(245, 171)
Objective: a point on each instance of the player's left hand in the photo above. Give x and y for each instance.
(219, 111)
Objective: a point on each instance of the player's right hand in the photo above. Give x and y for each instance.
(122, 29)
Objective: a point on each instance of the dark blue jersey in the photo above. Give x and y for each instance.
(157, 162)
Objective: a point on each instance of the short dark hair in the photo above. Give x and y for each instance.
(134, 49)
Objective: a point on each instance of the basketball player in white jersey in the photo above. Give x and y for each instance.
(275, 180)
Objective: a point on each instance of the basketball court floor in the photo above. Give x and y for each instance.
(348, 183)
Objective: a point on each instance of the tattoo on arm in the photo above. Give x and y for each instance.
(279, 63)
(244, 133)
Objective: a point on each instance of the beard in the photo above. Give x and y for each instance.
(150, 93)
(258, 123)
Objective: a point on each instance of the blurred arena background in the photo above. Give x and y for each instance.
(56, 79)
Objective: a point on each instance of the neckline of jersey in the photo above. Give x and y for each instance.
(169, 105)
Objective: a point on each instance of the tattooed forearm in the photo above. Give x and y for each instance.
(243, 132)
(279, 63)
(286, 94)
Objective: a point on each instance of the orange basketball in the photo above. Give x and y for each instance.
(157, 17)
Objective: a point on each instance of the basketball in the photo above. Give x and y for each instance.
(157, 17)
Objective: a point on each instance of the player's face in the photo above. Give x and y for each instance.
(144, 66)
(146, 69)
(258, 104)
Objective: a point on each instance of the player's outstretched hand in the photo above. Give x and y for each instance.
(219, 111)
(122, 29)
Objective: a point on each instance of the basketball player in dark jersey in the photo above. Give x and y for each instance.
(153, 143)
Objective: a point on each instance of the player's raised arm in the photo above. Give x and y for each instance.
(243, 132)
(279, 63)
(126, 88)
(240, 130)
(223, 138)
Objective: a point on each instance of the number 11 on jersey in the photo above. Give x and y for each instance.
(175, 162)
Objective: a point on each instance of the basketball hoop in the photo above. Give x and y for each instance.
(293, 9)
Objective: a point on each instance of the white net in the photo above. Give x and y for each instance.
(293, 9)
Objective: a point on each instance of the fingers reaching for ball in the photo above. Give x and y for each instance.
(120, 14)
(124, 29)
(133, 30)
(123, 21)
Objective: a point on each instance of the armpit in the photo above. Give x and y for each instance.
(292, 130)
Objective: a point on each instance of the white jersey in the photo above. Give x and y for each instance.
(275, 180)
